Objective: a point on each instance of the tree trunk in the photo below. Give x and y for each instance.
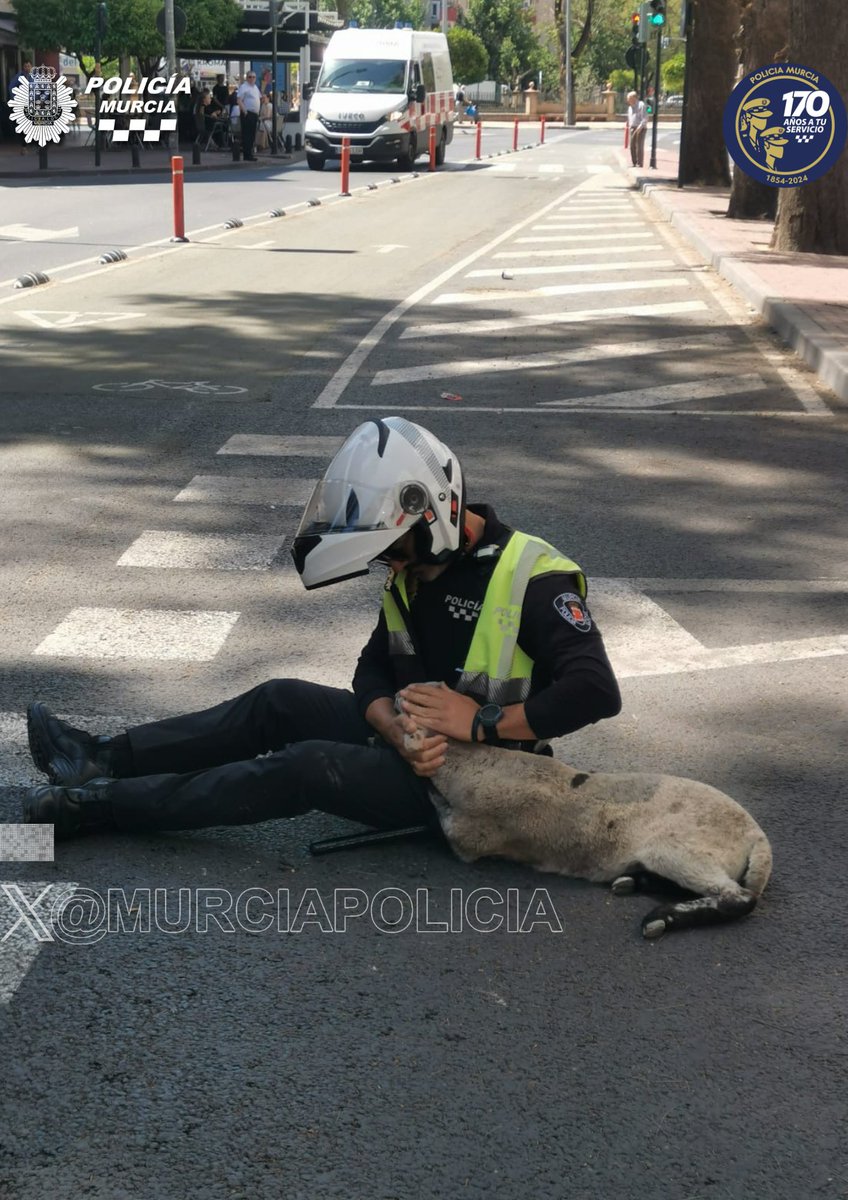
(814, 216)
(712, 70)
(762, 39)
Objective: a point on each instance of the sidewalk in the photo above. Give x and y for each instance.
(73, 157)
(804, 297)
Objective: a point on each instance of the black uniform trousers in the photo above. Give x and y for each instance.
(205, 768)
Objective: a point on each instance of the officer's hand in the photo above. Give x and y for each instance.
(424, 752)
(440, 709)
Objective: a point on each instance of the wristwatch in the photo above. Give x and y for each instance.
(487, 716)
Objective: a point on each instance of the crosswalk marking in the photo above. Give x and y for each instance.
(670, 393)
(152, 633)
(292, 445)
(577, 251)
(562, 289)
(570, 225)
(600, 352)
(202, 551)
(19, 946)
(587, 208)
(576, 268)
(583, 237)
(468, 328)
(236, 489)
(642, 639)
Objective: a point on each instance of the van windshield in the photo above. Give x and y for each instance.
(362, 75)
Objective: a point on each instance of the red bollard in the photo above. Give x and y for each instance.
(432, 147)
(515, 134)
(542, 137)
(179, 203)
(345, 167)
(626, 134)
(479, 139)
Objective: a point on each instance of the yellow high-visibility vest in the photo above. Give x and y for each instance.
(495, 667)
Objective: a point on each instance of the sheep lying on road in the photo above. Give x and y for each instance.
(619, 828)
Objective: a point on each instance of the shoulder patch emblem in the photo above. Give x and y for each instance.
(572, 609)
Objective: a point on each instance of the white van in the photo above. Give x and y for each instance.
(383, 89)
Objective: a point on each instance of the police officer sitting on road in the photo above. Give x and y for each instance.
(498, 616)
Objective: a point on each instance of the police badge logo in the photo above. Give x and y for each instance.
(785, 125)
(42, 106)
(572, 609)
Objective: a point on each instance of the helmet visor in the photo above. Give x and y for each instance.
(345, 506)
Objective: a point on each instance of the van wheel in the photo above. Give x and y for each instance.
(440, 149)
(406, 161)
(315, 162)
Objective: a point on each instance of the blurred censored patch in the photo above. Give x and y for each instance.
(26, 843)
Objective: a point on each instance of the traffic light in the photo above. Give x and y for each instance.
(634, 28)
(657, 13)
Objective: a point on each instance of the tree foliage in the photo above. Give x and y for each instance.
(382, 14)
(673, 72)
(70, 24)
(505, 29)
(469, 57)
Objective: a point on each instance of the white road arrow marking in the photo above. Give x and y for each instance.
(29, 233)
(388, 248)
(67, 320)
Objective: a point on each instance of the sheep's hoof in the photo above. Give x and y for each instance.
(625, 885)
(653, 929)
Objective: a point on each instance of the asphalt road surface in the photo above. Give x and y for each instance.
(163, 423)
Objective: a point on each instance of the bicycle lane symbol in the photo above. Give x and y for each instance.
(195, 387)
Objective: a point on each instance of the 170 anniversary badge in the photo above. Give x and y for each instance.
(785, 125)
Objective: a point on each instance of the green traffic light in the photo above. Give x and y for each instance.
(658, 18)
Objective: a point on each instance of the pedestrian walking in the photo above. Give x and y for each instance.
(484, 635)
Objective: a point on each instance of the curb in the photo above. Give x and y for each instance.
(825, 353)
(227, 164)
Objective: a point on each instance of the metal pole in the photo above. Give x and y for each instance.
(98, 66)
(569, 72)
(687, 33)
(170, 38)
(444, 16)
(272, 16)
(656, 101)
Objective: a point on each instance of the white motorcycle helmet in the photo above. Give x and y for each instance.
(388, 477)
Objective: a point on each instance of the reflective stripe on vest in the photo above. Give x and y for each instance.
(495, 666)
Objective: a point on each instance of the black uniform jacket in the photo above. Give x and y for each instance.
(572, 684)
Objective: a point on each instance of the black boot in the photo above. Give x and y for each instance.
(70, 810)
(67, 756)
